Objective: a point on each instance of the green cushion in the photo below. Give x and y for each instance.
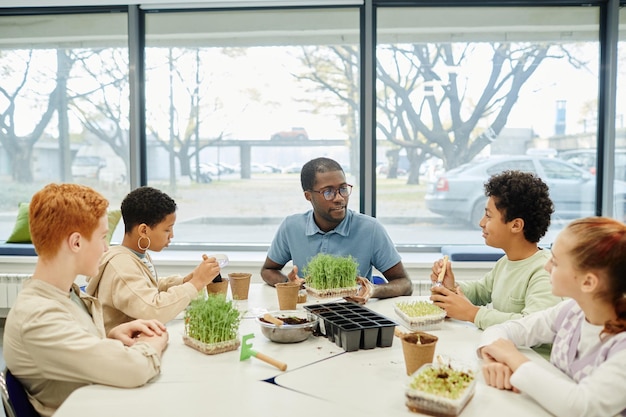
(114, 219)
(21, 232)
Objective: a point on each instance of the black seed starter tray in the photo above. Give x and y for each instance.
(352, 326)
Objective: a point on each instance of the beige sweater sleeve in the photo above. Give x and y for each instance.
(131, 293)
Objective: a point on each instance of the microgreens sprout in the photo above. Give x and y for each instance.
(418, 308)
(325, 271)
(443, 381)
(212, 320)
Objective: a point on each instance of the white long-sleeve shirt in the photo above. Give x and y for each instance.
(600, 393)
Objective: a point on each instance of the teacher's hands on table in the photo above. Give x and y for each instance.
(365, 291)
(293, 276)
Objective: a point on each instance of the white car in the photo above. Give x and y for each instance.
(459, 193)
(87, 166)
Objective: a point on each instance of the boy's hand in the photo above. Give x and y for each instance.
(448, 278)
(128, 332)
(456, 305)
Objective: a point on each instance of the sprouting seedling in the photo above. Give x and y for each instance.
(212, 320)
(325, 271)
(419, 308)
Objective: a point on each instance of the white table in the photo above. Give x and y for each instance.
(321, 379)
(378, 376)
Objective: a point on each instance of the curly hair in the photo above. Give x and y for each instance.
(311, 168)
(522, 195)
(146, 205)
(600, 246)
(58, 210)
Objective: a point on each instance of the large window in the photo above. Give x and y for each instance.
(460, 86)
(63, 106)
(619, 156)
(237, 102)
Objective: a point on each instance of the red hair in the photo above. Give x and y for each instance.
(600, 246)
(58, 210)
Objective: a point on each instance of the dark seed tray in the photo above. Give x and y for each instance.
(352, 326)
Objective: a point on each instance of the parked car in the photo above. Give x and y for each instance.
(587, 159)
(88, 166)
(260, 168)
(459, 193)
(275, 169)
(292, 169)
(296, 133)
(205, 172)
(225, 168)
(383, 169)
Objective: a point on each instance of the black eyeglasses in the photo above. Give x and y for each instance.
(331, 193)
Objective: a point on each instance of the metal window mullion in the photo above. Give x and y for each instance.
(368, 110)
(137, 133)
(609, 32)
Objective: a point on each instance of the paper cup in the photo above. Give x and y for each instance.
(287, 295)
(218, 287)
(417, 354)
(239, 285)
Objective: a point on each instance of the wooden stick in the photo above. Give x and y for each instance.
(268, 317)
(442, 273)
(274, 362)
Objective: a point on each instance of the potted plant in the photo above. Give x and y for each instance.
(420, 314)
(331, 276)
(212, 324)
(440, 390)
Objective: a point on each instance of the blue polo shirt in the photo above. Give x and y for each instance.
(299, 239)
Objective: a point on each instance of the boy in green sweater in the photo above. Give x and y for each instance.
(517, 216)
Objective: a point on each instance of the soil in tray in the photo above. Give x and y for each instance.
(288, 320)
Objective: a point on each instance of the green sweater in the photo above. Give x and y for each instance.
(513, 288)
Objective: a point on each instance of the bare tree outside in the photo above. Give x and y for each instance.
(27, 89)
(333, 75)
(188, 101)
(99, 98)
(427, 103)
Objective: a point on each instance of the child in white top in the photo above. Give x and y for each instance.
(588, 265)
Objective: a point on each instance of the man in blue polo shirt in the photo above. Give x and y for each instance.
(330, 227)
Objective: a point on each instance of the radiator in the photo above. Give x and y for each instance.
(422, 287)
(10, 285)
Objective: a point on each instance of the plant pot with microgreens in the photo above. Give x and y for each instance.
(331, 276)
(420, 314)
(440, 389)
(212, 324)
